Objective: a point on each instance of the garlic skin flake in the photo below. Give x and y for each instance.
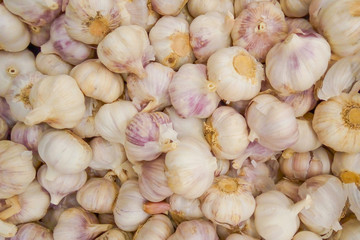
(295, 8)
(308, 140)
(33, 231)
(306, 235)
(158, 227)
(52, 64)
(195, 230)
(164, 7)
(199, 7)
(184, 209)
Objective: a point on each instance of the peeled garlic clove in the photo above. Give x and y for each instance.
(33, 231)
(127, 49)
(115, 234)
(151, 93)
(4, 129)
(236, 236)
(158, 227)
(199, 7)
(5, 113)
(164, 7)
(195, 230)
(184, 209)
(306, 235)
(258, 28)
(300, 23)
(295, 8)
(347, 167)
(289, 188)
(62, 44)
(240, 5)
(350, 230)
(51, 64)
(56, 100)
(236, 74)
(308, 140)
(28, 136)
(76, 223)
(40, 35)
(191, 94)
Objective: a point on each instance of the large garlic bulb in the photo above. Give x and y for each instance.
(195, 230)
(33, 231)
(52, 64)
(184, 209)
(199, 7)
(308, 139)
(295, 8)
(158, 227)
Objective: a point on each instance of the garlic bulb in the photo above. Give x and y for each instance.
(127, 49)
(328, 200)
(33, 231)
(153, 183)
(158, 227)
(90, 21)
(236, 74)
(347, 167)
(13, 64)
(236, 236)
(191, 94)
(272, 122)
(195, 230)
(258, 28)
(226, 132)
(199, 7)
(295, 8)
(184, 209)
(15, 36)
(164, 7)
(302, 58)
(301, 23)
(16, 168)
(148, 135)
(40, 35)
(5, 112)
(115, 234)
(151, 93)
(64, 153)
(308, 140)
(51, 64)
(210, 32)
(276, 217)
(240, 5)
(350, 231)
(289, 188)
(62, 44)
(306, 235)
(56, 100)
(4, 129)
(223, 167)
(28, 136)
(62, 185)
(96, 81)
(76, 223)
(112, 119)
(128, 210)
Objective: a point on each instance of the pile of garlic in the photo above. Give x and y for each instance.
(180, 120)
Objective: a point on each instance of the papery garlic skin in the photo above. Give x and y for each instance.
(240, 5)
(308, 140)
(289, 188)
(295, 8)
(306, 235)
(52, 64)
(164, 7)
(199, 7)
(158, 227)
(258, 28)
(39, 35)
(115, 234)
(301, 23)
(350, 230)
(184, 209)
(195, 230)
(235, 67)
(4, 129)
(15, 36)
(131, 55)
(33, 231)
(236, 236)
(191, 94)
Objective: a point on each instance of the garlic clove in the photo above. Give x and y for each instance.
(158, 227)
(33, 231)
(195, 230)
(156, 207)
(39, 35)
(52, 64)
(295, 8)
(198, 7)
(164, 7)
(115, 234)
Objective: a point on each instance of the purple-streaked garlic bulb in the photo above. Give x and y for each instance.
(29, 136)
(165, 7)
(200, 7)
(184, 209)
(33, 231)
(301, 23)
(5, 113)
(195, 230)
(40, 35)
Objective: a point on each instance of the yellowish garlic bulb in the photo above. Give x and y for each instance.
(40, 35)
(199, 7)
(52, 64)
(158, 227)
(240, 5)
(33, 231)
(115, 234)
(164, 7)
(295, 8)
(195, 230)
(306, 235)
(184, 209)
(4, 129)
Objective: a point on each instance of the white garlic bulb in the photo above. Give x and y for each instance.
(301, 23)
(151, 93)
(306, 235)
(308, 140)
(347, 167)
(350, 231)
(236, 236)
(171, 41)
(184, 209)
(115, 234)
(56, 100)
(15, 36)
(164, 7)
(199, 7)
(236, 74)
(64, 153)
(210, 32)
(295, 8)
(39, 35)
(240, 5)
(258, 28)
(33, 231)
(158, 227)
(52, 64)
(62, 185)
(190, 168)
(16, 167)
(127, 49)
(271, 122)
(4, 129)
(195, 230)
(289, 188)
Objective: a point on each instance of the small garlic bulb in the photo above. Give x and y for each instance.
(61, 186)
(210, 32)
(184, 209)
(350, 231)
(289, 188)
(28, 136)
(164, 7)
(15, 36)
(240, 5)
(51, 64)
(236, 236)
(4, 129)
(295, 8)
(158, 227)
(236, 74)
(272, 122)
(128, 210)
(148, 135)
(76, 223)
(306, 235)
(64, 153)
(115, 234)
(40, 35)
(16, 168)
(199, 7)
(33, 231)
(151, 93)
(295, 64)
(347, 167)
(191, 94)
(56, 100)
(301, 23)
(127, 49)
(308, 140)
(258, 28)
(195, 230)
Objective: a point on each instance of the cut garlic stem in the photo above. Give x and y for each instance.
(7, 229)
(168, 146)
(303, 204)
(156, 208)
(38, 115)
(13, 208)
(52, 4)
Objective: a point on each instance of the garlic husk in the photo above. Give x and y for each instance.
(62, 185)
(52, 64)
(236, 236)
(295, 8)
(4, 129)
(60, 43)
(15, 36)
(240, 5)
(115, 234)
(128, 210)
(33, 231)
(199, 7)
(306, 235)
(164, 7)
(57, 101)
(301, 23)
(76, 223)
(328, 200)
(151, 93)
(127, 49)
(153, 183)
(236, 74)
(289, 188)
(158, 227)
(190, 168)
(112, 119)
(210, 32)
(90, 21)
(258, 28)
(18, 94)
(223, 167)
(191, 94)
(184, 209)
(148, 135)
(39, 35)
(308, 140)
(64, 153)
(350, 231)
(303, 57)
(346, 166)
(12, 65)
(272, 122)
(16, 167)
(195, 230)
